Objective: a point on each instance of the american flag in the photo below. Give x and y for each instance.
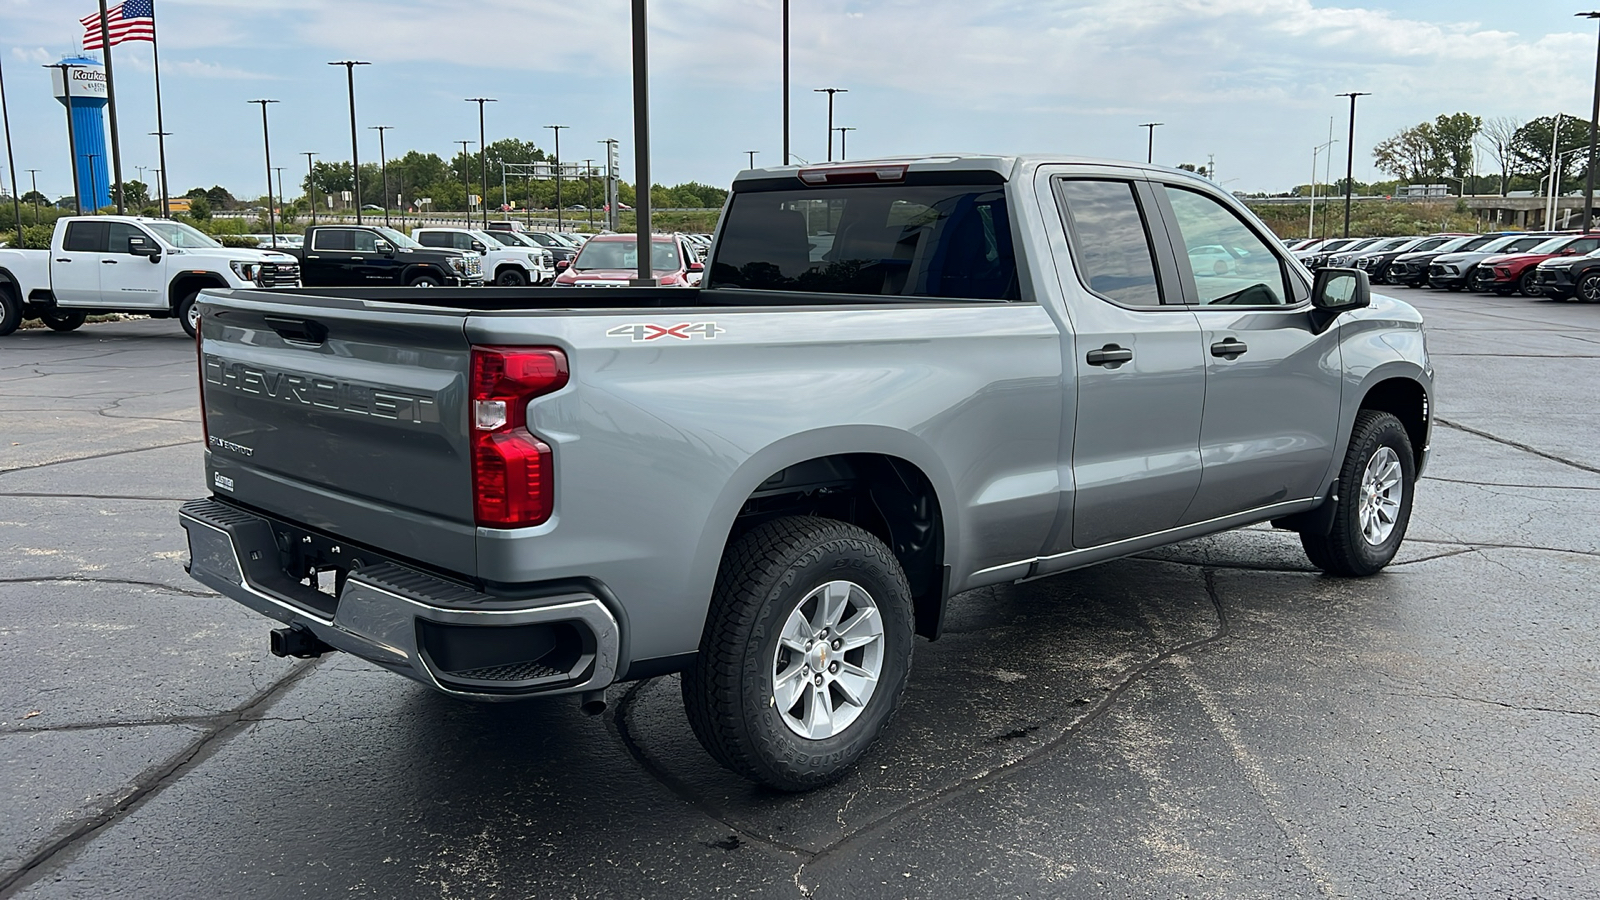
(133, 20)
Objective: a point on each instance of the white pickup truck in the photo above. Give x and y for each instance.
(503, 263)
(129, 264)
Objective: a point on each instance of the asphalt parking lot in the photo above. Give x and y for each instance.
(1214, 720)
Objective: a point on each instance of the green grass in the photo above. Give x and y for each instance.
(1368, 218)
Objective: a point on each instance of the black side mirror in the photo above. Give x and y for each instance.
(138, 247)
(1340, 290)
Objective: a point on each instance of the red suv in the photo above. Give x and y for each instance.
(609, 260)
(1516, 271)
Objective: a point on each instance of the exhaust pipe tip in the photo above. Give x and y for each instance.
(592, 703)
(296, 641)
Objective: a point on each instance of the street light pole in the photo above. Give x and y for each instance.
(466, 182)
(33, 174)
(613, 216)
(311, 183)
(483, 157)
(785, 84)
(830, 92)
(11, 162)
(355, 156)
(279, 170)
(752, 157)
(266, 144)
(1150, 145)
(641, 144)
(1350, 156)
(1594, 122)
(383, 156)
(559, 165)
(842, 129)
(588, 189)
(161, 173)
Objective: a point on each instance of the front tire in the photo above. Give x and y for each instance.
(188, 313)
(1373, 509)
(511, 276)
(1589, 288)
(63, 320)
(426, 281)
(1526, 285)
(805, 655)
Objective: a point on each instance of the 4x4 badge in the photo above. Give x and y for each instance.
(649, 332)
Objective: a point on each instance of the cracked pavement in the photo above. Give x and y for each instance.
(1213, 719)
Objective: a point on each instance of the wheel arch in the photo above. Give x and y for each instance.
(416, 270)
(191, 281)
(888, 482)
(1406, 399)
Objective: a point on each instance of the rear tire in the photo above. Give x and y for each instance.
(188, 313)
(63, 320)
(767, 636)
(1373, 509)
(10, 310)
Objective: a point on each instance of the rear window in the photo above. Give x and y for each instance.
(625, 255)
(885, 240)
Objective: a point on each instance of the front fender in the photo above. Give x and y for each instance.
(1382, 342)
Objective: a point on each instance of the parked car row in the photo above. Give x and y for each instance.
(1556, 264)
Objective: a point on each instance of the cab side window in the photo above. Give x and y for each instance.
(1584, 246)
(461, 241)
(85, 237)
(120, 233)
(1231, 264)
(364, 242)
(1111, 242)
(433, 239)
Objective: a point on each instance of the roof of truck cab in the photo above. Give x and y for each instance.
(1003, 165)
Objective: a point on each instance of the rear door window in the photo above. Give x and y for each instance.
(335, 239)
(433, 239)
(1111, 241)
(86, 237)
(906, 240)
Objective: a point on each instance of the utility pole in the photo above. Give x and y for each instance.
(559, 166)
(842, 129)
(383, 156)
(830, 92)
(266, 143)
(355, 157)
(1350, 156)
(483, 158)
(311, 183)
(1150, 146)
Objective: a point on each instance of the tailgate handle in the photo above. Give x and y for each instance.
(299, 331)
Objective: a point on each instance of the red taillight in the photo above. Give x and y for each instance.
(512, 470)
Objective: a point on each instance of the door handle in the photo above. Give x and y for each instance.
(299, 331)
(1111, 356)
(1229, 348)
(63, 260)
(108, 262)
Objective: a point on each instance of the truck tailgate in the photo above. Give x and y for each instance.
(349, 422)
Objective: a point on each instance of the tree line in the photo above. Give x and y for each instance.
(1519, 153)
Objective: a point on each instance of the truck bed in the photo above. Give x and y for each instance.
(536, 299)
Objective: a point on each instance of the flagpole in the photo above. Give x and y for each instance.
(11, 163)
(111, 99)
(161, 131)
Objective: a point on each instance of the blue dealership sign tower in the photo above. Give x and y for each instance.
(83, 93)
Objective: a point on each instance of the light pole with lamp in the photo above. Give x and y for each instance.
(266, 144)
(383, 156)
(483, 157)
(1150, 145)
(1311, 223)
(311, 183)
(842, 129)
(559, 165)
(355, 157)
(466, 182)
(830, 92)
(1350, 156)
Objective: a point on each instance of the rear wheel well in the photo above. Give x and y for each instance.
(184, 285)
(884, 495)
(1407, 401)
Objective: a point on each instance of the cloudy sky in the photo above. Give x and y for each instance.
(1251, 81)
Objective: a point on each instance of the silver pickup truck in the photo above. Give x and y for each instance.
(902, 380)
